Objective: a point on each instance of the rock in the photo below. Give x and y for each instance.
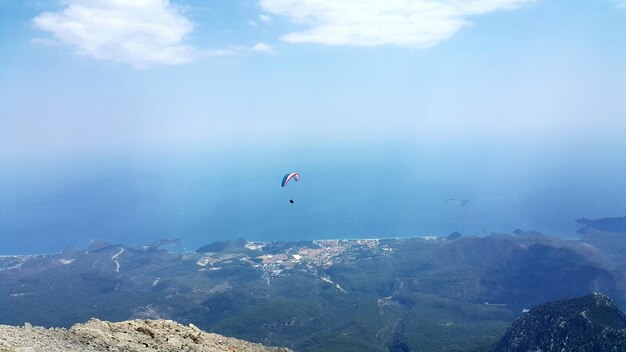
(126, 336)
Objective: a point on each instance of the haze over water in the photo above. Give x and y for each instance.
(522, 114)
(348, 194)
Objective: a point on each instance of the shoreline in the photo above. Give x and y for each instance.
(147, 246)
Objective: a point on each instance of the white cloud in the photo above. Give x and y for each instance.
(265, 18)
(139, 32)
(263, 48)
(417, 23)
(258, 48)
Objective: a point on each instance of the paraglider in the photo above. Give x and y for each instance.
(289, 177)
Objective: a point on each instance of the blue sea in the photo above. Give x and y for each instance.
(200, 197)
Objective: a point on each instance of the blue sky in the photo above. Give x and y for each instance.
(513, 68)
(518, 94)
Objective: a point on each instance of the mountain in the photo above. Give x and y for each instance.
(586, 324)
(521, 269)
(454, 236)
(399, 294)
(611, 244)
(616, 224)
(126, 336)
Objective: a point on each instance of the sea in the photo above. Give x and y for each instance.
(201, 197)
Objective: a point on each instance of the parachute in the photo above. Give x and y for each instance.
(288, 177)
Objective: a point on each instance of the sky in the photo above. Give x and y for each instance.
(135, 121)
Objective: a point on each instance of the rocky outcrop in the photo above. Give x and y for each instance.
(126, 336)
(586, 324)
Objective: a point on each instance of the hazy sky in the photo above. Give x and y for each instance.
(520, 94)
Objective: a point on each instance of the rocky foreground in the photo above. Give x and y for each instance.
(131, 335)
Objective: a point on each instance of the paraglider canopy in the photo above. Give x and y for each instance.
(288, 177)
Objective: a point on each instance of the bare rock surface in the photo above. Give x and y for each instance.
(126, 336)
